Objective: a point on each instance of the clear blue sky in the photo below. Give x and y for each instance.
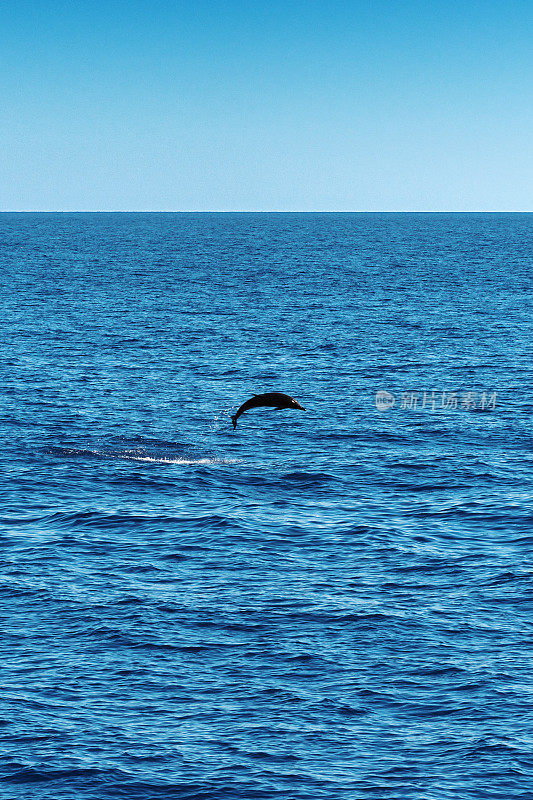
(266, 105)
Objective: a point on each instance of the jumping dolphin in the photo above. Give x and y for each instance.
(276, 399)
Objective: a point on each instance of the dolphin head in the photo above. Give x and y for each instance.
(296, 404)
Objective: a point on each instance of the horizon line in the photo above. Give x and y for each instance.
(269, 211)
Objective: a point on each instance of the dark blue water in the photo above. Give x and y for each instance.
(330, 604)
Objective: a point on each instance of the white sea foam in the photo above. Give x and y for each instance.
(131, 455)
(184, 461)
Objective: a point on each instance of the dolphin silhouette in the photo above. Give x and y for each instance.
(276, 399)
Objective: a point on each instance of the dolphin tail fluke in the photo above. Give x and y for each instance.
(234, 420)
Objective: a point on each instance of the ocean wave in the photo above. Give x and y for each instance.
(135, 455)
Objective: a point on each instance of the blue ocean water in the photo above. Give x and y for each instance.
(329, 604)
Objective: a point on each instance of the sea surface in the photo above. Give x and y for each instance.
(323, 605)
